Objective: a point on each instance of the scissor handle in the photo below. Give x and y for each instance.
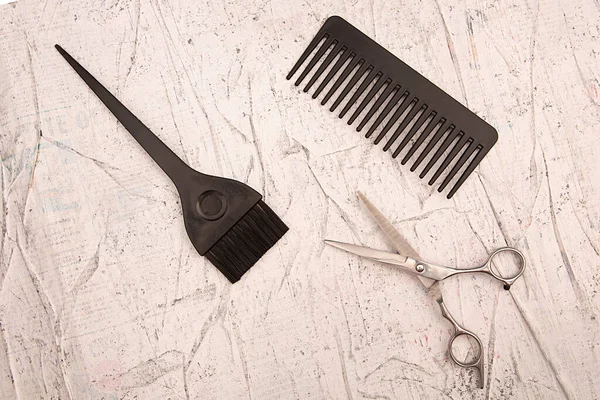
(507, 280)
(477, 361)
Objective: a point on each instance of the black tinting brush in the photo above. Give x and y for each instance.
(226, 220)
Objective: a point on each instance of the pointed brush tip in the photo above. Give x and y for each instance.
(61, 50)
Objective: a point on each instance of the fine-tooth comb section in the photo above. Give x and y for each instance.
(369, 80)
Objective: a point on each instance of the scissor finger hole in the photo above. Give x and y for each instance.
(506, 263)
(465, 349)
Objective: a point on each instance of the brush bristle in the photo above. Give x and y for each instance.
(246, 242)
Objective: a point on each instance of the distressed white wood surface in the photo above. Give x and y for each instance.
(102, 295)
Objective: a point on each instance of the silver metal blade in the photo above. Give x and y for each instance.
(395, 237)
(385, 257)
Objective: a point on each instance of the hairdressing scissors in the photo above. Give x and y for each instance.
(408, 260)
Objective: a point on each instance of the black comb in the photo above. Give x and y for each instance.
(402, 89)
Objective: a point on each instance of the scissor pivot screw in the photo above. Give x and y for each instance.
(420, 268)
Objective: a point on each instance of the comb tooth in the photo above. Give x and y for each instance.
(314, 60)
(399, 111)
(449, 139)
(388, 107)
(342, 76)
(316, 40)
(465, 156)
(413, 131)
(324, 65)
(380, 81)
(468, 171)
(384, 95)
(432, 124)
(361, 70)
(363, 86)
(440, 132)
(459, 145)
(332, 71)
(411, 114)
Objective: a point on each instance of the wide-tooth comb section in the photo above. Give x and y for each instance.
(363, 86)
(418, 124)
(378, 84)
(313, 44)
(338, 64)
(476, 160)
(386, 110)
(457, 147)
(397, 114)
(438, 134)
(349, 68)
(430, 127)
(353, 81)
(465, 156)
(336, 49)
(314, 60)
(407, 120)
(384, 95)
(441, 150)
(394, 97)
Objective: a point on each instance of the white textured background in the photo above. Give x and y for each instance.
(102, 295)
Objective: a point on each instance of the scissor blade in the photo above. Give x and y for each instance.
(173, 166)
(393, 235)
(376, 255)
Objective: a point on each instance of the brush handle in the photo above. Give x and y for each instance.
(168, 161)
(211, 205)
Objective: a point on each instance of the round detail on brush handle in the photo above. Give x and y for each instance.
(211, 205)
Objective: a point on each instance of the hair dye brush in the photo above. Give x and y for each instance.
(226, 220)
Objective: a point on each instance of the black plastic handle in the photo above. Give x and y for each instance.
(168, 161)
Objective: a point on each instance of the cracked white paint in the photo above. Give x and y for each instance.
(103, 296)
